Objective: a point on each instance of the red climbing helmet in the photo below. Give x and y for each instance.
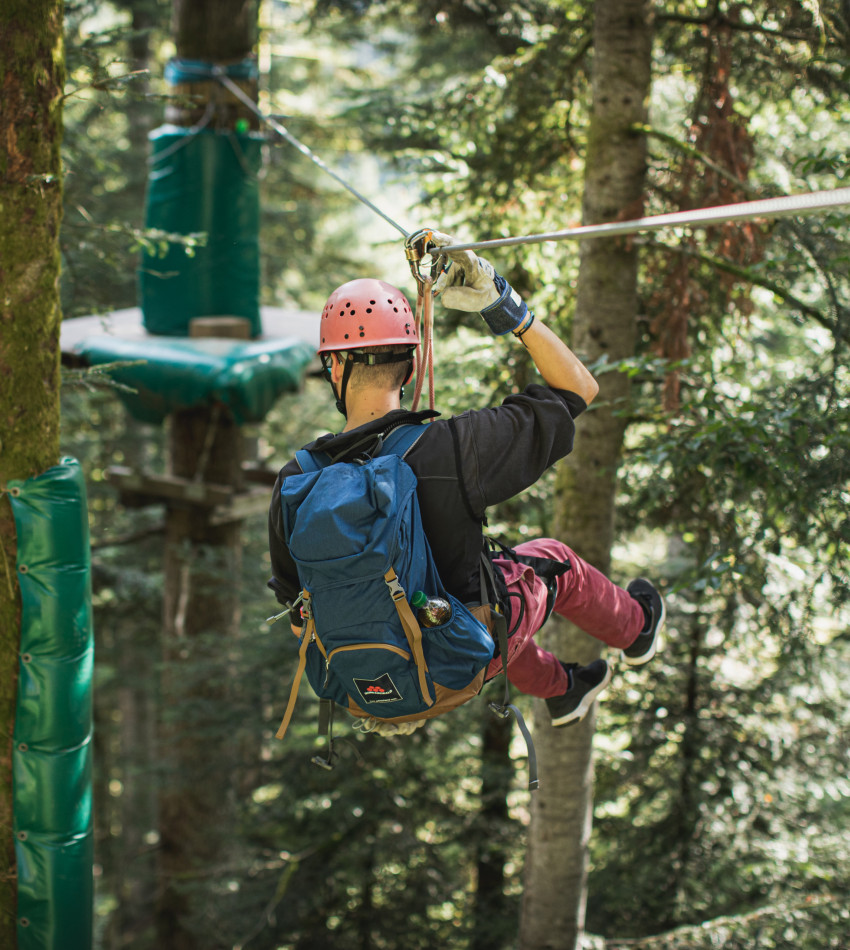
(366, 312)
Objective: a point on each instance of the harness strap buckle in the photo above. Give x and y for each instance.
(397, 592)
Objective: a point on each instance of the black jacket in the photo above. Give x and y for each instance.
(502, 451)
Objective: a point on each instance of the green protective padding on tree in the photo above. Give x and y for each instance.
(247, 377)
(203, 182)
(51, 756)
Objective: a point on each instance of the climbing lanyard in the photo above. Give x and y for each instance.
(417, 249)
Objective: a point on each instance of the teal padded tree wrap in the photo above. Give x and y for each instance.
(203, 182)
(168, 375)
(51, 758)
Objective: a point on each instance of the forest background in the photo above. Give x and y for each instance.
(721, 788)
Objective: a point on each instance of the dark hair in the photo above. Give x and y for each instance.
(384, 375)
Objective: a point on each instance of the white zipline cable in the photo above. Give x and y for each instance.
(802, 204)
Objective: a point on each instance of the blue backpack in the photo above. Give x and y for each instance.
(355, 533)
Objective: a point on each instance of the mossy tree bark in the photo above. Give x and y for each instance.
(604, 324)
(32, 75)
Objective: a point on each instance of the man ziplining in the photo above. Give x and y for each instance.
(462, 466)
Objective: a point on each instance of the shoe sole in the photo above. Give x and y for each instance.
(655, 646)
(583, 707)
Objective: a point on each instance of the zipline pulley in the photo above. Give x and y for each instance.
(417, 247)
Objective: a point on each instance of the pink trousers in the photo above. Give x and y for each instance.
(583, 595)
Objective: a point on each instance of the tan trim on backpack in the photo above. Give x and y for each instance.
(445, 700)
(309, 634)
(484, 613)
(412, 632)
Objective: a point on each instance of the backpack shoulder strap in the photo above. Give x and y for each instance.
(402, 439)
(311, 461)
(398, 442)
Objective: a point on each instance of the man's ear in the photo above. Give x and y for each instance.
(409, 376)
(337, 362)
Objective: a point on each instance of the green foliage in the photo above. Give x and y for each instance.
(721, 771)
(108, 112)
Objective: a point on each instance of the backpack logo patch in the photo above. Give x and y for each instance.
(380, 690)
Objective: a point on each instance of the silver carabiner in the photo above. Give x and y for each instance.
(418, 246)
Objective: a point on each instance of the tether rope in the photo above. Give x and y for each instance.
(425, 350)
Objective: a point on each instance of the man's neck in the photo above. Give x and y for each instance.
(364, 410)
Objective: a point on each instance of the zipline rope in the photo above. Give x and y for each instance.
(742, 211)
(801, 204)
(284, 133)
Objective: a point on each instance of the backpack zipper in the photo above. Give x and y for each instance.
(361, 646)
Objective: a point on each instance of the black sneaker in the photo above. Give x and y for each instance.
(586, 683)
(648, 641)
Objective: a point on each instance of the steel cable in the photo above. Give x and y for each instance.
(800, 204)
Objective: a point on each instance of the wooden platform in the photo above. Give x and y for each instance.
(127, 324)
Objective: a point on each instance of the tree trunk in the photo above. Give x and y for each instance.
(491, 923)
(32, 71)
(202, 580)
(201, 620)
(604, 324)
(218, 31)
(213, 31)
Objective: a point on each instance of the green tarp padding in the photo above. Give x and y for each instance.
(203, 182)
(51, 756)
(247, 377)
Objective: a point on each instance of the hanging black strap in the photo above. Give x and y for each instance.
(326, 728)
(503, 710)
(500, 632)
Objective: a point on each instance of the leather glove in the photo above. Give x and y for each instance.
(470, 283)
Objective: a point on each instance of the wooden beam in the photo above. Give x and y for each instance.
(141, 488)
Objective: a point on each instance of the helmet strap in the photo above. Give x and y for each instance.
(411, 368)
(343, 386)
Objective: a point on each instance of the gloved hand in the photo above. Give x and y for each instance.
(470, 283)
